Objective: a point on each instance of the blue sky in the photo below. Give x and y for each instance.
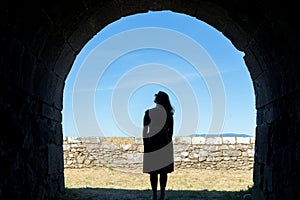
(115, 76)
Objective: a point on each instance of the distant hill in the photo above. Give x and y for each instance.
(221, 135)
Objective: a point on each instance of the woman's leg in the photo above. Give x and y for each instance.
(153, 181)
(163, 183)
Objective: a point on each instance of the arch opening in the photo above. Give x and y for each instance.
(217, 53)
(159, 60)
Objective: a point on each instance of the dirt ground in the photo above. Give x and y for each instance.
(113, 184)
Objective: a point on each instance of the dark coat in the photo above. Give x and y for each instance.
(157, 140)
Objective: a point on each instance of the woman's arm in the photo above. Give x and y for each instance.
(146, 122)
(171, 127)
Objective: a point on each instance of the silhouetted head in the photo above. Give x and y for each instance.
(162, 98)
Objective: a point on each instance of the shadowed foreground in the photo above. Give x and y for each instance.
(123, 194)
(184, 184)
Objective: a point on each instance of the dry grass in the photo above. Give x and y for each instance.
(106, 183)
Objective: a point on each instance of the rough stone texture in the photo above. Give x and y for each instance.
(40, 40)
(189, 152)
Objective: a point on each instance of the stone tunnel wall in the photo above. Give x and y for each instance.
(189, 152)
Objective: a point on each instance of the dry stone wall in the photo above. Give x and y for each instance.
(189, 152)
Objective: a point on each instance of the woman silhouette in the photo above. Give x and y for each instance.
(158, 146)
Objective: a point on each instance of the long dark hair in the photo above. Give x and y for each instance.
(162, 98)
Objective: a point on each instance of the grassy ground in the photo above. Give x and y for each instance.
(108, 184)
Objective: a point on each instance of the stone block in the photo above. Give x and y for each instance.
(201, 159)
(229, 140)
(55, 159)
(125, 147)
(224, 147)
(72, 140)
(92, 146)
(203, 153)
(198, 140)
(183, 140)
(184, 154)
(194, 155)
(138, 141)
(180, 147)
(66, 147)
(243, 140)
(262, 140)
(90, 140)
(213, 140)
(210, 148)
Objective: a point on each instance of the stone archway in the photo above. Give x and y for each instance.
(39, 42)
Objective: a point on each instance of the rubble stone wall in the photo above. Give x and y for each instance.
(189, 152)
